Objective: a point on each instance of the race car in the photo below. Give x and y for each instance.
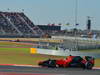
(86, 62)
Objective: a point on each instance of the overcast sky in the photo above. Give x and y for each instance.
(56, 11)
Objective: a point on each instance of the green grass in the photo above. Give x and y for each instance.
(14, 44)
(97, 62)
(91, 51)
(14, 55)
(22, 55)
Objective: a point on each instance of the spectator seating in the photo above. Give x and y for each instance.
(17, 23)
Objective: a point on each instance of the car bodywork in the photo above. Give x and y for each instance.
(86, 62)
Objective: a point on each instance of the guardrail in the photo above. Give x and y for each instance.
(65, 53)
(74, 38)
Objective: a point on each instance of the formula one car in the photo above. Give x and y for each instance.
(86, 62)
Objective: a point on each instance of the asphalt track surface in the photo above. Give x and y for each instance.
(21, 70)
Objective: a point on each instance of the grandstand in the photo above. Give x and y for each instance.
(17, 24)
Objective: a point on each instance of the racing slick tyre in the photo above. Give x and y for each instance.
(88, 65)
(52, 64)
(48, 63)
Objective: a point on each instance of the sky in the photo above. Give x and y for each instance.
(57, 11)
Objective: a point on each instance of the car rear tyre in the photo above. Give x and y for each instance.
(88, 65)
